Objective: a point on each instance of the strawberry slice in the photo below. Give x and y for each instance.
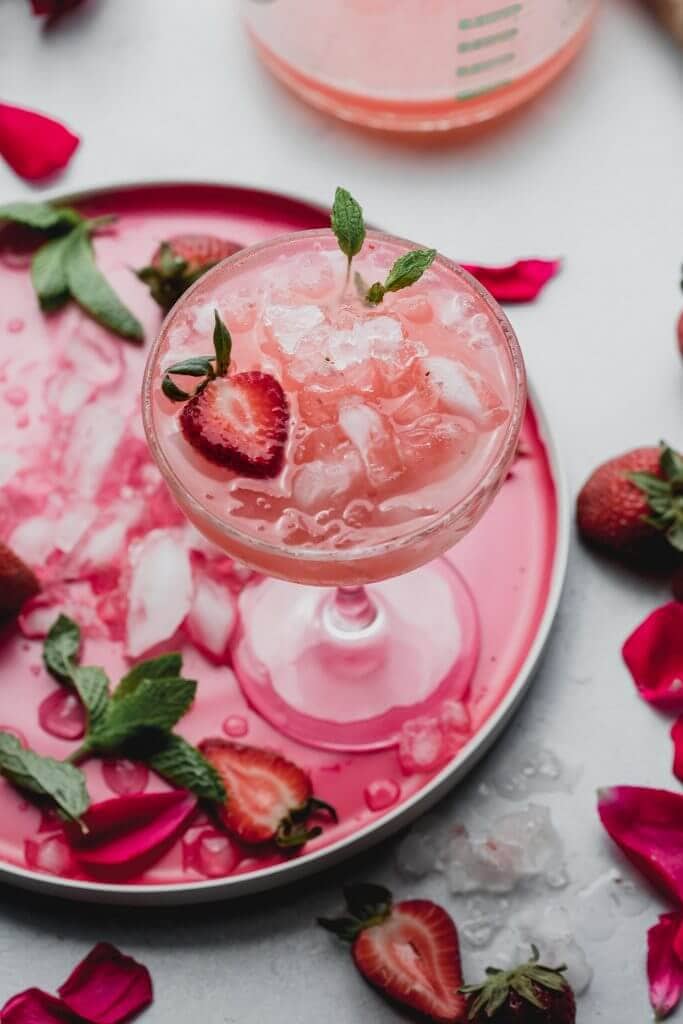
(240, 422)
(269, 798)
(17, 582)
(409, 951)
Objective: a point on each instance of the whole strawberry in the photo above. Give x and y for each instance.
(180, 261)
(409, 951)
(633, 504)
(529, 994)
(17, 583)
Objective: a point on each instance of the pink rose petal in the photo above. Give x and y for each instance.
(129, 833)
(35, 1007)
(518, 282)
(654, 656)
(107, 987)
(53, 8)
(677, 737)
(647, 824)
(664, 969)
(33, 145)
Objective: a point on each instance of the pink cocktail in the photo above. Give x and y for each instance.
(402, 419)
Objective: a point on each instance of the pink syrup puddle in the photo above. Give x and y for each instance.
(235, 726)
(62, 715)
(83, 379)
(211, 853)
(51, 855)
(126, 778)
(382, 793)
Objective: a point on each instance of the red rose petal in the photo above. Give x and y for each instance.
(107, 987)
(33, 145)
(664, 969)
(647, 824)
(52, 8)
(654, 656)
(677, 737)
(129, 833)
(35, 1007)
(518, 282)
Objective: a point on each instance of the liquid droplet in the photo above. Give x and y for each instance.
(51, 855)
(62, 715)
(15, 325)
(381, 793)
(22, 421)
(16, 396)
(126, 778)
(211, 853)
(235, 725)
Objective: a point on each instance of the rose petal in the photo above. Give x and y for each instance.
(677, 737)
(107, 987)
(53, 7)
(33, 145)
(664, 969)
(654, 656)
(647, 824)
(518, 282)
(35, 1007)
(129, 833)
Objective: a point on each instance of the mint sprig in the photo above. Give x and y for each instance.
(136, 719)
(44, 777)
(407, 269)
(64, 266)
(200, 366)
(347, 224)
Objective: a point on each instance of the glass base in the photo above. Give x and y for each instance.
(346, 670)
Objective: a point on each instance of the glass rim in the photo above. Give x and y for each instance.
(439, 524)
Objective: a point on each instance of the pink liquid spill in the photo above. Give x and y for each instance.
(62, 715)
(78, 490)
(235, 726)
(126, 778)
(381, 794)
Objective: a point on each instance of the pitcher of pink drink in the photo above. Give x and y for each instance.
(418, 65)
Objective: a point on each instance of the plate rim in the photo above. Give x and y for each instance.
(234, 886)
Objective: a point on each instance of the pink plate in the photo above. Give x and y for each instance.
(78, 489)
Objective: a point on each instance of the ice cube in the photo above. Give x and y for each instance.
(462, 392)
(102, 547)
(212, 617)
(51, 855)
(487, 864)
(33, 540)
(453, 308)
(483, 918)
(422, 746)
(532, 830)
(161, 590)
(95, 436)
(372, 436)
(287, 325)
(417, 855)
(313, 276)
(327, 482)
(76, 519)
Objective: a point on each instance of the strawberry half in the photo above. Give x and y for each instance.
(240, 422)
(269, 798)
(180, 261)
(409, 951)
(17, 583)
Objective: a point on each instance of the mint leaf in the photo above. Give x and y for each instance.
(92, 685)
(93, 292)
(48, 273)
(163, 667)
(61, 648)
(375, 293)
(40, 216)
(154, 704)
(222, 343)
(172, 391)
(182, 764)
(347, 223)
(43, 776)
(408, 269)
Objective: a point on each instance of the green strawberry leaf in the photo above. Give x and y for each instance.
(40, 216)
(172, 391)
(671, 463)
(197, 366)
(48, 273)
(164, 667)
(155, 704)
(181, 764)
(222, 343)
(347, 223)
(93, 292)
(43, 776)
(62, 647)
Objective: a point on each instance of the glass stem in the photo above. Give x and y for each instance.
(352, 609)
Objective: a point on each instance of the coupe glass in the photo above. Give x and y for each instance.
(340, 648)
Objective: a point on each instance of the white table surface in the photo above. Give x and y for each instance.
(592, 172)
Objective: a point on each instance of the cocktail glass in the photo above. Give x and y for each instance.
(360, 626)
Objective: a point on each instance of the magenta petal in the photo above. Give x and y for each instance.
(35, 1007)
(654, 656)
(33, 145)
(129, 833)
(664, 969)
(52, 8)
(107, 987)
(677, 737)
(518, 282)
(647, 824)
